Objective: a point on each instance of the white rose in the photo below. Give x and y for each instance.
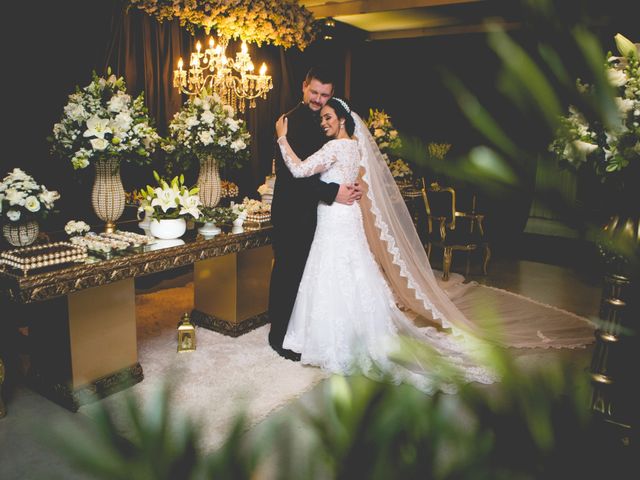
(208, 117)
(122, 122)
(32, 204)
(13, 215)
(617, 78)
(238, 145)
(99, 144)
(75, 112)
(205, 137)
(191, 121)
(233, 124)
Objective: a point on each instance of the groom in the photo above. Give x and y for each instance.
(295, 202)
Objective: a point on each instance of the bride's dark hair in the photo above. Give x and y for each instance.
(343, 112)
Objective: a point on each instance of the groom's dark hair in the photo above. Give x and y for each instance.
(322, 73)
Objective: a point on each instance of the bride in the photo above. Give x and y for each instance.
(367, 276)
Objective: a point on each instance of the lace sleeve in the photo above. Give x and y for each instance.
(316, 163)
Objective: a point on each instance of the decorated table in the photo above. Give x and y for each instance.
(81, 315)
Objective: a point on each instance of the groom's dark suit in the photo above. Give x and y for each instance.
(294, 216)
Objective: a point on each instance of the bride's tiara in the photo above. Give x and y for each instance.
(343, 103)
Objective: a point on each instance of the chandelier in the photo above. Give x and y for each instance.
(232, 80)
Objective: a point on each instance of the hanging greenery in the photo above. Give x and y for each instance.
(279, 22)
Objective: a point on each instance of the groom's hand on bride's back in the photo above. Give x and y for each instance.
(349, 193)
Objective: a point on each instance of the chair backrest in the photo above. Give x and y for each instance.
(440, 202)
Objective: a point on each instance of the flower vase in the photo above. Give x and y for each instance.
(168, 228)
(210, 189)
(237, 226)
(209, 229)
(107, 196)
(21, 234)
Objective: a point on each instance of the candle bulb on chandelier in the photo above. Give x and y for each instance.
(198, 46)
(180, 63)
(211, 42)
(263, 69)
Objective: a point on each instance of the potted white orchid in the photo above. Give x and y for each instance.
(169, 205)
(22, 203)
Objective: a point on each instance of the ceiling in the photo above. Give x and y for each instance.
(389, 19)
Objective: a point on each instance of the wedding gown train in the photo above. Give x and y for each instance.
(361, 287)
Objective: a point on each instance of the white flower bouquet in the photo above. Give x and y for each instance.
(613, 151)
(102, 121)
(170, 199)
(204, 127)
(387, 139)
(76, 227)
(22, 199)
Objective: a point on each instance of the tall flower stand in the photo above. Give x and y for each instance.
(209, 184)
(107, 195)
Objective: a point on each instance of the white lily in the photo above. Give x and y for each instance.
(165, 198)
(97, 127)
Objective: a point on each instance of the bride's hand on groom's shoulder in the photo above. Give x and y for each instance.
(281, 126)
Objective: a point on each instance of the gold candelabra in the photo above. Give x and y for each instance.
(232, 80)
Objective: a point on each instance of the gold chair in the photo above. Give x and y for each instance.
(451, 229)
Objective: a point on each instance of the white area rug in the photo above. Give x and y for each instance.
(223, 376)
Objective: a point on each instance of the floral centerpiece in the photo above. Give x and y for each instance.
(209, 131)
(22, 203)
(102, 124)
(610, 151)
(101, 121)
(387, 139)
(280, 22)
(169, 205)
(76, 227)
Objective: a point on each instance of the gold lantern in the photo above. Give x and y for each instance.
(186, 335)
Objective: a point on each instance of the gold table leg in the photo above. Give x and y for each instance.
(231, 292)
(84, 345)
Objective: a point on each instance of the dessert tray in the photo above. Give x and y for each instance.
(257, 220)
(44, 255)
(106, 244)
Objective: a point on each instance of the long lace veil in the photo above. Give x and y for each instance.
(398, 250)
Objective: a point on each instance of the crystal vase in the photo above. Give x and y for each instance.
(107, 196)
(21, 234)
(209, 183)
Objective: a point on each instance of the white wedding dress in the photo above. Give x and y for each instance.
(345, 319)
(367, 277)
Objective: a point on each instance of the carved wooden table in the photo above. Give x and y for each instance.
(81, 318)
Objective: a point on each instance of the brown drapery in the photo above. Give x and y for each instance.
(145, 52)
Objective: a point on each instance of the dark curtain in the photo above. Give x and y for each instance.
(55, 49)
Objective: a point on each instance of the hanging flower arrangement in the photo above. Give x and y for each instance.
(279, 22)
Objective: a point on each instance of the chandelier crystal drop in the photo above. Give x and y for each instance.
(233, 80)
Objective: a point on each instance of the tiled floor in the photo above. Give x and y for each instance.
(22, 454)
